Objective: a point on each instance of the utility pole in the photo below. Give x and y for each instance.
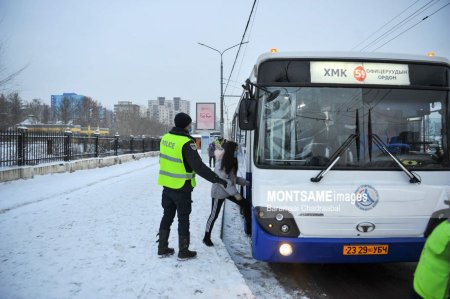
(221, 80)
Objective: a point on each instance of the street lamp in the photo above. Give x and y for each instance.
(221, 79)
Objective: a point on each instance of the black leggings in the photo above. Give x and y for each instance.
(213, 158)
(217, 205)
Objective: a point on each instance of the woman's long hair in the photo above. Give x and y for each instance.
(229, 162)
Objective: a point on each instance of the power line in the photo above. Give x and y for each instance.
(412, 26)
(401, 23)
(384, 25)
(234, 81)
(242, 40)
(233, 99)
(235, 86)
(246, 46)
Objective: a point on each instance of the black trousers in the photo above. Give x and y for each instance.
(213, 158)
(176, 202)
(217, 206)
(414, 295)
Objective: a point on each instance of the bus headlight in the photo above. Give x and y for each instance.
(279, 217)
(277, 222)
(285, 228)
(285, 249)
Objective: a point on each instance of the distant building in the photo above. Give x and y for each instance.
(165, 110)
(180, 105)
(74, 100)
(126, 108)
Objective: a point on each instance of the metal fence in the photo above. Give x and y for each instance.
(20, 148)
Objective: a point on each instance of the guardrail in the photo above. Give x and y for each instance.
(20, 147)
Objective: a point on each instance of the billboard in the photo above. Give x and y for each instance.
(206, 116)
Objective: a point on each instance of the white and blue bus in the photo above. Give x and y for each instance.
(348, 155)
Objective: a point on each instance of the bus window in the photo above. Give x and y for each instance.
(305, 126)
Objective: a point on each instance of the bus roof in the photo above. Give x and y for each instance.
(363, 56)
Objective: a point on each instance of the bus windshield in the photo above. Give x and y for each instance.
(304, 126)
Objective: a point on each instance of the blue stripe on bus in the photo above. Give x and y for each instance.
(330, 250)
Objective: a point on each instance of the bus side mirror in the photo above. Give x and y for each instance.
(247, 114)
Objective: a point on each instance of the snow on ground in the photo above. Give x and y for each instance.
(92, 233)
(258, 275)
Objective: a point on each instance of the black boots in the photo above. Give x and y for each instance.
(184, 252)
(163, 246)
(164, 250)
(248, 226)
(248, 220)
(207, 239)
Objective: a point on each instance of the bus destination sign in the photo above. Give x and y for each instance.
(340, 72)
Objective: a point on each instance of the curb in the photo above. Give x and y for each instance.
(28, 172)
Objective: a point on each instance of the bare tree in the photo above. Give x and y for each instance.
(12, 111)
(149, 127)
(10, 107)
(95, 114)
(4, 112)
(6, 78)
(123, 120)
(84, 112)
(65, 110)
(38, 109)
(132, 123)
(46, 114)
(88, 112)
(16, 108)
(107, 119)
(34, 108)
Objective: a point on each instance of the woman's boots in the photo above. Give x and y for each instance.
(207, 239)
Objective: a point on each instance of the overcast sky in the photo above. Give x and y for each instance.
(139, 50)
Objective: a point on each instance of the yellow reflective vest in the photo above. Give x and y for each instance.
(172, 173)
(432, 276)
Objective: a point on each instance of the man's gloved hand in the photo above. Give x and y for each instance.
(247, 183)
(223, 182)
(238, 197)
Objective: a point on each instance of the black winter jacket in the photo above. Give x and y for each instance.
(192, 161)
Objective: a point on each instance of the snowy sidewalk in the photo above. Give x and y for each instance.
(91, 234)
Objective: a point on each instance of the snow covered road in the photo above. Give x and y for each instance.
(92, 233)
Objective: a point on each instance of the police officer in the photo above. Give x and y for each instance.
(179, 163)
(432, 276)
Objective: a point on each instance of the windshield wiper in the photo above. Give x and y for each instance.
(335, 157)
(337, 154)
(413, 179)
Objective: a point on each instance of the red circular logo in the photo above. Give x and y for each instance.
(359, 73)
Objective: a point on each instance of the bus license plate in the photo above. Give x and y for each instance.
(365, 249)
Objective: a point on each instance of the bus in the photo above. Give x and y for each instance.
(347, 154)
